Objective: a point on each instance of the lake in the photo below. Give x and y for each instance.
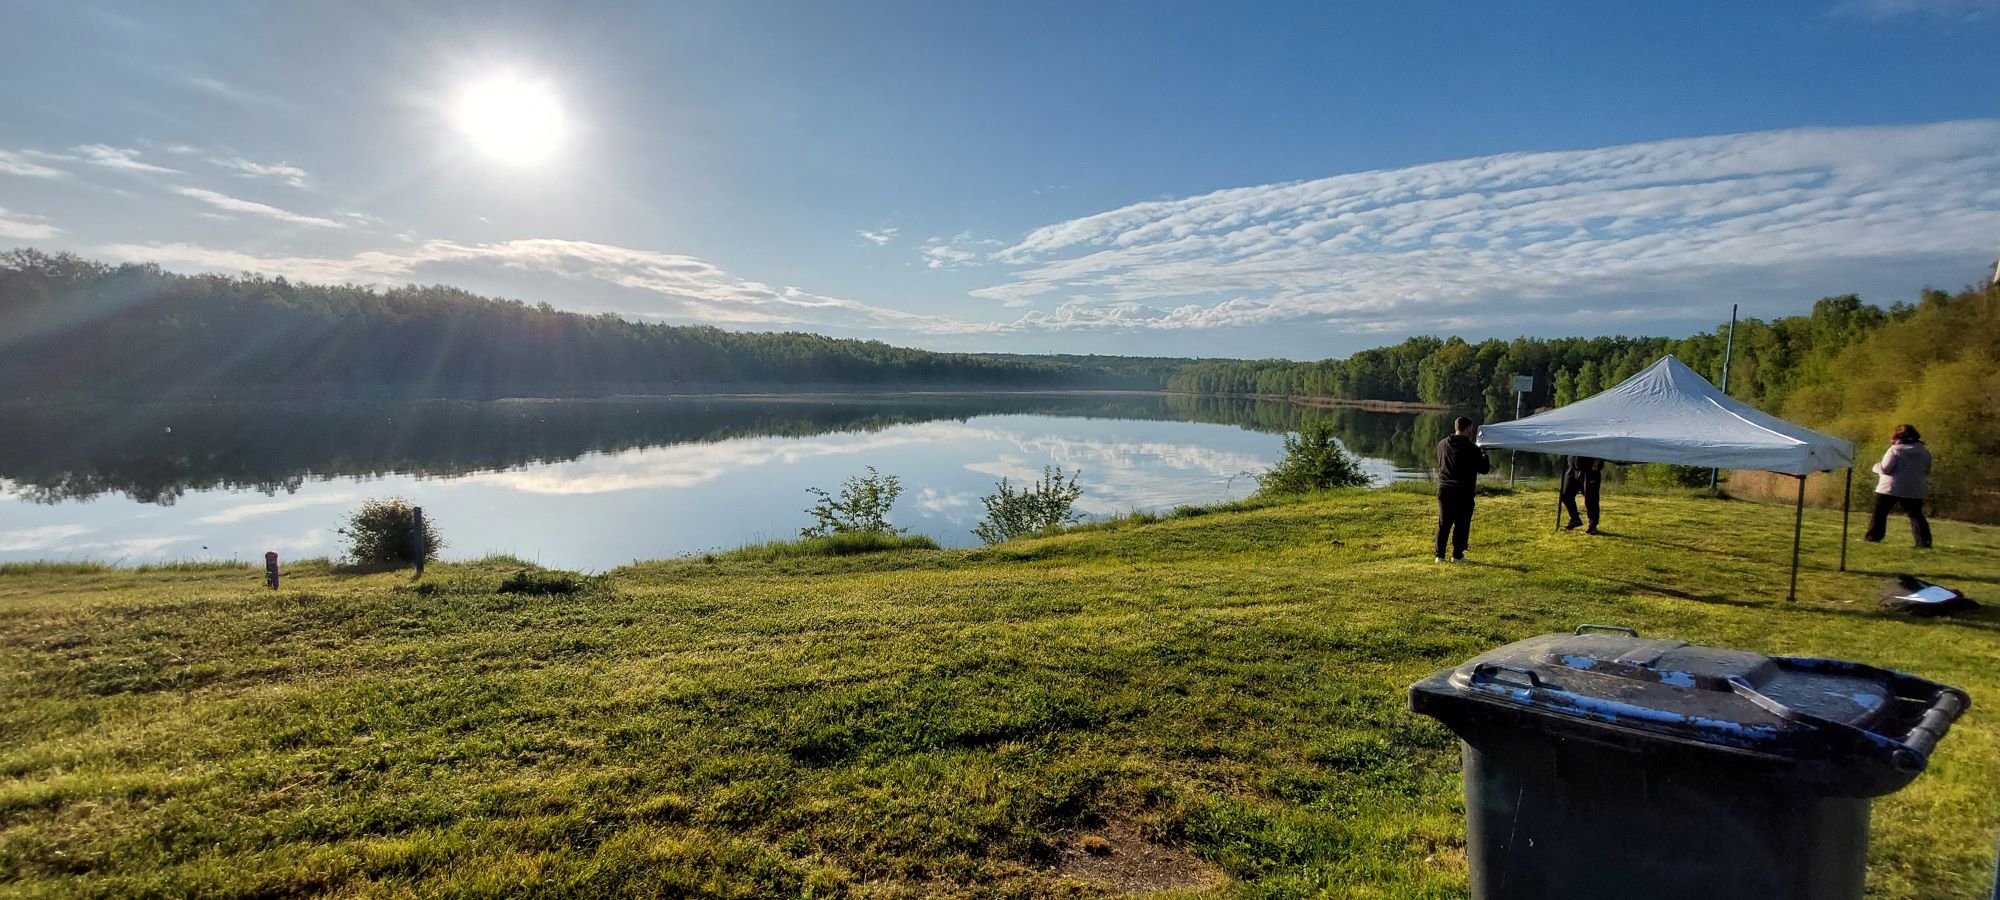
(592, 484)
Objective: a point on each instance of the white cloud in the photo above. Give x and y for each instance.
(878, 237)
(123, 159)
(253, 509)
(46, 537)
(1878, 10)
(233, 204)
(682, 287)
(22, 226)
(958, 251)
(1489, 237)
(285, 172)
(216, 87)
(944, 501)
(13, 163)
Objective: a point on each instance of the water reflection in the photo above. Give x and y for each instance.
(595, 483)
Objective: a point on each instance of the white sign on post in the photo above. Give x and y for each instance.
(1524, 383)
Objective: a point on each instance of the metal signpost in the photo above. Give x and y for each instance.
(1522, 385)
(1728, 350)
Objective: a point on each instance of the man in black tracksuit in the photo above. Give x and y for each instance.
(1583, 475)
(1460, 463)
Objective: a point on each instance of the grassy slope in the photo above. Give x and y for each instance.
(900, 724)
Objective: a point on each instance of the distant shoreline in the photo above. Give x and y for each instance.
(1393, 406)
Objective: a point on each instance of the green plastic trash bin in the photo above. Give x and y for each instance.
(1599, 764)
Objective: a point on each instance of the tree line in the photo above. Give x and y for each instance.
(72, 327)
(1847, 367)
(75, 328)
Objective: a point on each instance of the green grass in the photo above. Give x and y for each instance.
(904, 724)
(849, 543)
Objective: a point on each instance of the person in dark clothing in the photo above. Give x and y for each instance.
(1460, 463)
(1583, 475)
(1905, 481)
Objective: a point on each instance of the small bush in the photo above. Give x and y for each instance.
(1667, 475)
(545, 582)
(1313, 461)
(1041, 508)
(862, 506)
(384, 533)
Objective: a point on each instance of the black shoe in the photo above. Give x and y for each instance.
(1573, 525)
(1591, 530)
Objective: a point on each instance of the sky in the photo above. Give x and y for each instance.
(1244, 180)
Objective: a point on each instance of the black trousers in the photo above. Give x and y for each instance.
(1588, 487)
(1878, 521)
(1454, 521)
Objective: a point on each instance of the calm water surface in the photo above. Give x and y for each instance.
(592, 484)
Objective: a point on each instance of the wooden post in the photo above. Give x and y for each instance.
(423, 549)
(1846, 500)
(1798, 523)
(271, 568)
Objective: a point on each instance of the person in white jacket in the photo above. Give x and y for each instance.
(1905, 481)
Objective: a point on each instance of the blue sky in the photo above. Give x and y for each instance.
(1295, 180)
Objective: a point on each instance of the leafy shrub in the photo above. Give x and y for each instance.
(1667, 475)
(1040, 508)
(1313, 461)
(862, 506)
(384, 533)
(544, 582)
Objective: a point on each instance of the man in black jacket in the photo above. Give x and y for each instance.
(1460, 463)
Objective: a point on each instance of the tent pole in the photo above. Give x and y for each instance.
(1846, 501)
(1559, 507)
(1728, 350)
(1798, 522)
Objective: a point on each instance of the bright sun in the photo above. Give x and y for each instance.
(511, 119)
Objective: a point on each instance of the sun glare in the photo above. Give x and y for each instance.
(512, 119)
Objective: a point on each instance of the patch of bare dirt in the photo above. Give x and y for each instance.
(1117, 858)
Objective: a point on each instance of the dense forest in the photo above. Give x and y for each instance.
(71, 327)
(1848, 368)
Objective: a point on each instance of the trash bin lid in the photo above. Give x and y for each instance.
(1867, 728)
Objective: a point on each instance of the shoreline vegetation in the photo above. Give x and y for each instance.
(1205, 701)
(85, 331)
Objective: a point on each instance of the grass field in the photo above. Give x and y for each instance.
(1210, 704)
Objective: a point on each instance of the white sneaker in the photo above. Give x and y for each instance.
(1440, 559)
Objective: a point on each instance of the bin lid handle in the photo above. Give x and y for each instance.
(1488, 673)
(1581, 629)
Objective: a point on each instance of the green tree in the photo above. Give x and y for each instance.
(385, 533)
(862, 506)
(1040, 508)
(1588, 384)
(1565, 389)
(1314, 461)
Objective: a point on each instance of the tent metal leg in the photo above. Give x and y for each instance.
(1798, 523)
(1559, 509)
(1846, 502)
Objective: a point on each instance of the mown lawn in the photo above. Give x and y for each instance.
(1218, 701)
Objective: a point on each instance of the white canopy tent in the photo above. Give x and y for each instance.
(1669, 414)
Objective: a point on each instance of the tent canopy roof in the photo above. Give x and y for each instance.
(1669, 414)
